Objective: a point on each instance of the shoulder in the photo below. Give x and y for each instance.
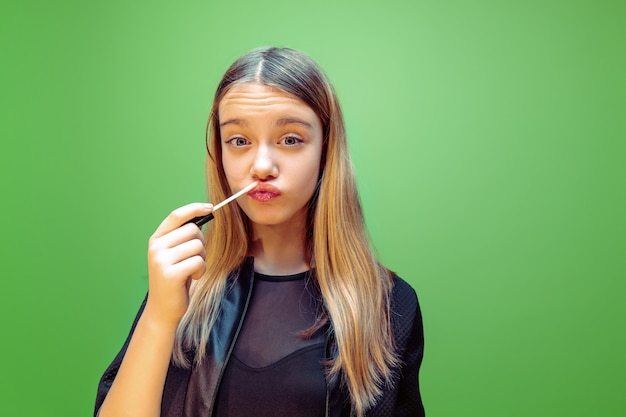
(404, 310)
(403, 297)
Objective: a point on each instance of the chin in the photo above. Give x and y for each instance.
(275, 219)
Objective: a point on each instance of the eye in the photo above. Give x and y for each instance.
(291, 140)
(238, 141)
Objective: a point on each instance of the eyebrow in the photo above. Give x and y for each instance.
(291, 120)
(280, 122)
(239, 122)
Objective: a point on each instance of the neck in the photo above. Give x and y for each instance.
(279, 250)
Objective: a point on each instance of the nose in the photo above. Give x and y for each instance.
(264, 165)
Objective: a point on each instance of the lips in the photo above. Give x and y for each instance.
(264, 193)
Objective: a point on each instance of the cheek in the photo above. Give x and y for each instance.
(233, 167)
(227, 165)
(309, 172)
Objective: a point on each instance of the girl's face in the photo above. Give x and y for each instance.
(274, 138)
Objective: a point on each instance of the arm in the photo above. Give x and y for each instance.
(409, 399)
(403, 399)
(175, 255)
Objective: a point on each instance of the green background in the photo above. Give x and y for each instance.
(488, 140)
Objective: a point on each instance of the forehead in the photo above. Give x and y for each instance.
(253, 98)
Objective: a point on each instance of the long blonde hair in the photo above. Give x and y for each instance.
(354, 286)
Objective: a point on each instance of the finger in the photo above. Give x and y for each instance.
(174, 238)
(199, 272)
(193, 267)
(163, 259)
(186, 250)
(179, 216)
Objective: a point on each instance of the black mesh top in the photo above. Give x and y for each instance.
(274, 370)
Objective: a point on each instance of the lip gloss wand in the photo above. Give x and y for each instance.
(201, 220)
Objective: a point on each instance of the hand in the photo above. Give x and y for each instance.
(176, 255)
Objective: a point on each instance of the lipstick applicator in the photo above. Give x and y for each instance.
(201, 220)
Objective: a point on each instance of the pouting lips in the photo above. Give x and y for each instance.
(263, 196)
